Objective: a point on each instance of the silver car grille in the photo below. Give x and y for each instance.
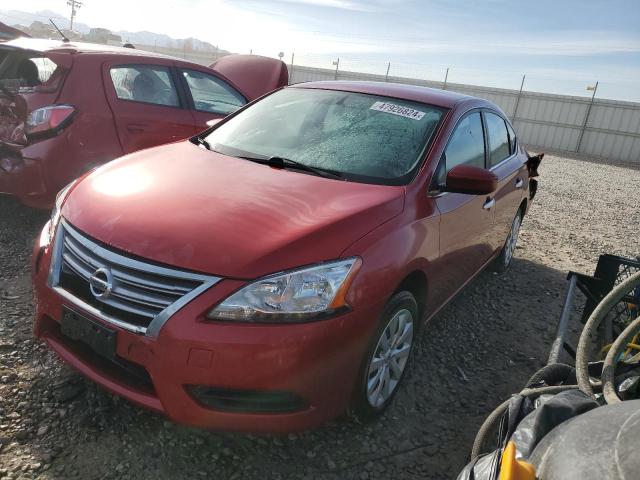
(127, 292)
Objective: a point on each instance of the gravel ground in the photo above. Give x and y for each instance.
(482, 347)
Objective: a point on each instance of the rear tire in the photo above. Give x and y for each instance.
(502, 263)
(387, 357)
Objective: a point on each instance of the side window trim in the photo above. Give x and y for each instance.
(487, 147)
(184, 96)
(434, 190)
(181, 105)
(485, 134)
(187, 91)
(513, 140)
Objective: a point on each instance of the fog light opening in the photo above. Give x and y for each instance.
(247, 401)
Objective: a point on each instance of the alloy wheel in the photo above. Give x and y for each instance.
(510, 245)
(390, 358)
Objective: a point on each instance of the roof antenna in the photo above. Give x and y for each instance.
(64, 38)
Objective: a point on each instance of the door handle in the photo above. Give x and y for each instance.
(519, 183)
(489, 203)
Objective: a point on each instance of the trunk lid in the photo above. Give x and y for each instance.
(253, 75)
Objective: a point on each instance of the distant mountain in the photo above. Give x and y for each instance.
(161, 40)
(17, 17)
(25, 19)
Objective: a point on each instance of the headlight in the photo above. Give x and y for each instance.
(50, 228)
(293, 296)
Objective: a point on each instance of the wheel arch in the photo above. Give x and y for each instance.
(523, 207)
(416, 283)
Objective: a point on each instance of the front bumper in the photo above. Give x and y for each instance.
(315, 362)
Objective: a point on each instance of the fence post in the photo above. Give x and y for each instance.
(515, 110)
(291, 67)
(386, 77)
(586, 118)
(446, 76)
(337, 64)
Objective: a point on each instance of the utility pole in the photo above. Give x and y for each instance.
(594, 89)
(446, 77)
(291, 67)
(74, 4)
(515, 110)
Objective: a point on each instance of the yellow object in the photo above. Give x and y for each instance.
(632, 345)
(513, 469)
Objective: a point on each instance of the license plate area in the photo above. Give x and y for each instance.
(99, 338)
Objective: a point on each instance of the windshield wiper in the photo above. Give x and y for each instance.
(201, 141)
(282, 162)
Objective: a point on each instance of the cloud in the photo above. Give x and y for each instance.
(339, 4)
(552, 44)
(572, 44)
(351, 5)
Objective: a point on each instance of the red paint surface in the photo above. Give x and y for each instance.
(469, 179)
(254, 75)
(190, 208)
(105, 127)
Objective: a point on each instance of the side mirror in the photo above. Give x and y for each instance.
(471, 180)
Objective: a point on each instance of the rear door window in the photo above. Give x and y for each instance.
(499, 148)
(145, 83)
(211, 94)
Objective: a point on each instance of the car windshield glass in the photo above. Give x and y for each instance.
(366, 138)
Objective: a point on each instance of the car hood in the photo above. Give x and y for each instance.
(191, 208)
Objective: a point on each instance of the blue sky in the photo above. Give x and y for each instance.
(560, 45)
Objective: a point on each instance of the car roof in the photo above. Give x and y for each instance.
(43, 45)
(431, 96)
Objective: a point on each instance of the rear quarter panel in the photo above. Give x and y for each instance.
(91, 139)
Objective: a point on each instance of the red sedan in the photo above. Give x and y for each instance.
(273, 271)
(66, 108)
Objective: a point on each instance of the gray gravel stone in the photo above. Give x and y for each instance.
(496, 333)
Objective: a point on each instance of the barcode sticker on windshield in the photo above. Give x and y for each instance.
(397, 110)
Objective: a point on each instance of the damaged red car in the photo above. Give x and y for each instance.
(273, 272)
(66, 108)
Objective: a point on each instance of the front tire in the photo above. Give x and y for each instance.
(387, 357)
